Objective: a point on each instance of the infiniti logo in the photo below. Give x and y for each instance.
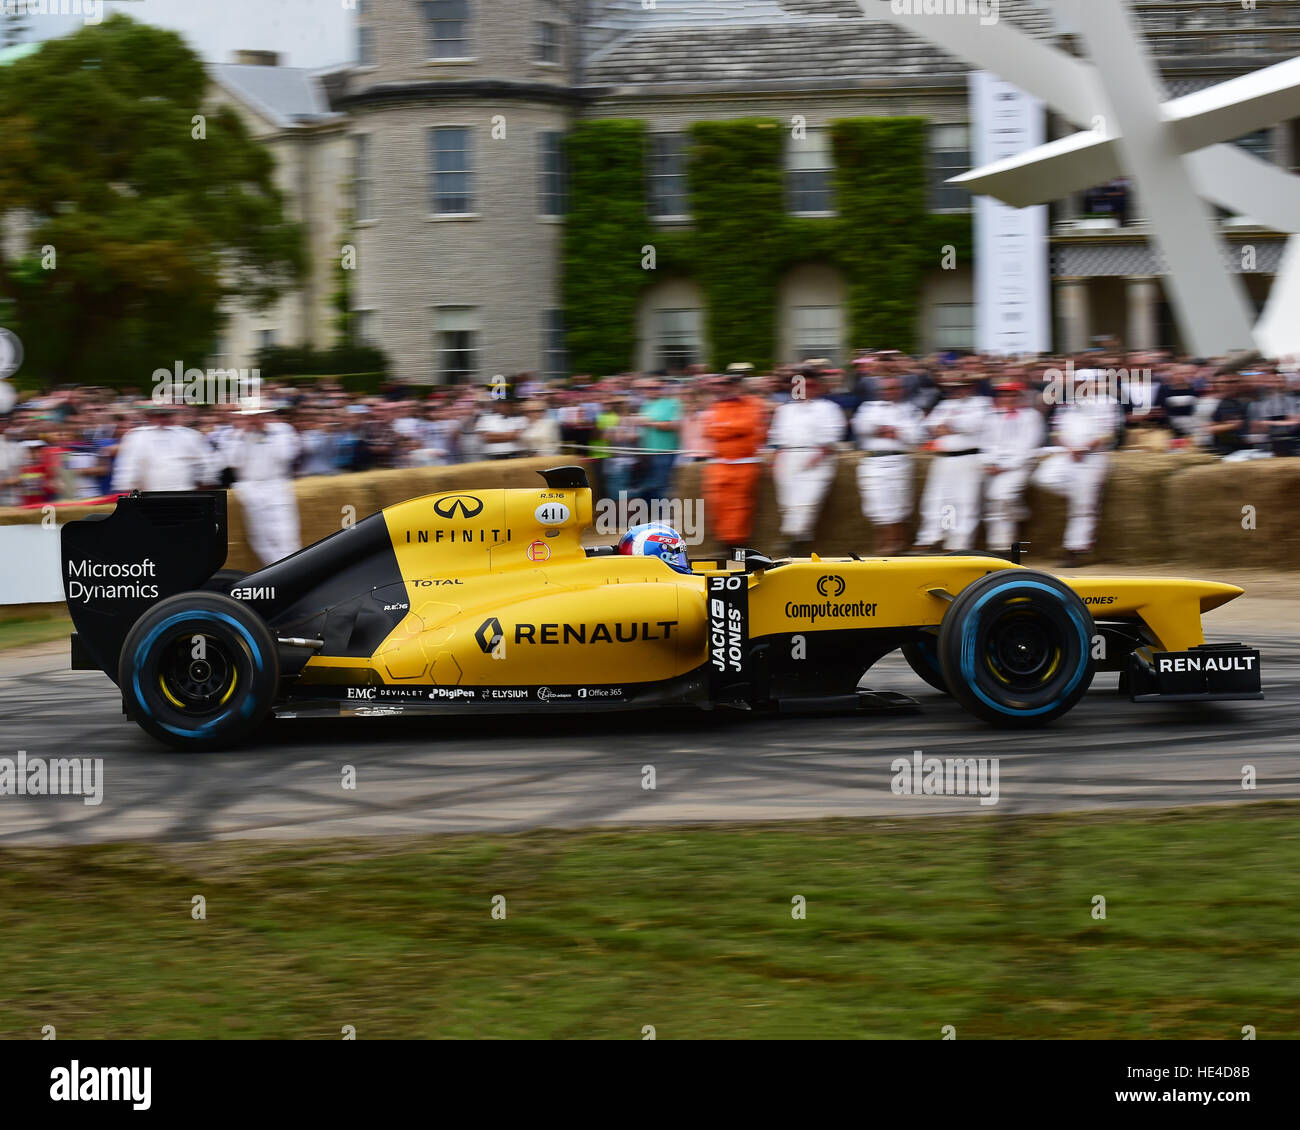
(464, 504)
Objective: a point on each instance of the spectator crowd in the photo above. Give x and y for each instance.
(991, 424)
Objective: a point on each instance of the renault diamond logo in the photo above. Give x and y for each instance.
(833, 583)
(466, 505)
(489, 635)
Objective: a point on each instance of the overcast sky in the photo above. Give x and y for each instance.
(307, 33)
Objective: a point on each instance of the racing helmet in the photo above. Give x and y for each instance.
(656, 540)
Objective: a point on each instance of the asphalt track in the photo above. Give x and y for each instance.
(505, 774)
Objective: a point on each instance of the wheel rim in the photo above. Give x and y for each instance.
(1023, 648)
(197, 684)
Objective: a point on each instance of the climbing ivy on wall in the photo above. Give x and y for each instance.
(738, 212)
(604, 233)
(741, 240)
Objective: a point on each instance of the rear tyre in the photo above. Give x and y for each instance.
(1015, 648)
(199, 671)
(923, 658)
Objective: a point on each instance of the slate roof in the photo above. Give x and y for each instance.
(758, 41)
(285, 96)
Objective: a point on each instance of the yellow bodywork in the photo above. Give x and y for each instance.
(566, 618)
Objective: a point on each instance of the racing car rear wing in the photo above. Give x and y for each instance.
(116, 565)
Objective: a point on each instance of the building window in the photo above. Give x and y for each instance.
(456, 343)
(554, 181)
(448, 29)
(809, 166)
(546, 48)
(265, 339)
(669, 186)
(452, 171)
(954, 325)
(555, 360)
(219, 358)
(817, 333)
(362, 196)
(678, 339)
(365, 45)
(949, 156)
(363, 327)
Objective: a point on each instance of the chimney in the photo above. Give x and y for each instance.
(257, 58)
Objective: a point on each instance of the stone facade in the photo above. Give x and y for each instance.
(289, 115)
(677, 62)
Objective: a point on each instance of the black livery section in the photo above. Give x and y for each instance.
(1211, 671)
(117, 566)
(346, 590)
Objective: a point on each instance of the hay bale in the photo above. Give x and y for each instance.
(239, 554)
(25, 516)
(325, 502)
(1133, 523)
(841, 528)
(388, 488)
(1208, 522)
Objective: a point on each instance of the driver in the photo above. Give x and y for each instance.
(656, 540)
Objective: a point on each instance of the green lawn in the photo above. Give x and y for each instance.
(22, 633)
(983, 923)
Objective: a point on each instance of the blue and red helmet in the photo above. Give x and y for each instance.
(656, 540)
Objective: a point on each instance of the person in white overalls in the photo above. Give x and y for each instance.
(950, 506)
(804, 433)
(261, 455)
(1012, 437)
(887, 429)
(1084, 430)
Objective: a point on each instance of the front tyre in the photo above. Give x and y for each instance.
(199, 671)
(1016, 648)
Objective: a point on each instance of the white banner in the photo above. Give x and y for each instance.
(31, 570)
(1012, 286)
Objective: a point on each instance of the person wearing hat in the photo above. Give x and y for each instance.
(950, 506)
(805, 430)
(501, 426)
(887, 427)
(1011, 440)
(734, 427)
(260, 457)
(1084, 430)
(160, 455)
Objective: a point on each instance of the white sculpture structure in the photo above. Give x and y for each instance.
(1170, 148)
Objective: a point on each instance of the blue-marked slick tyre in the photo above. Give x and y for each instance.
(923, 658)
(199, 671)
(1016, 648)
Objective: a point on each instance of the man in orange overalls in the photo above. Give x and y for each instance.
(735, 427)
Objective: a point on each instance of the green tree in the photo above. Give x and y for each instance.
(143, 215)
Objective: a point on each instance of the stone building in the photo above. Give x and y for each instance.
(287, 110)
(457, 111)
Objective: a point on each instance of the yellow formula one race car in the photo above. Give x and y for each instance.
(487, 601)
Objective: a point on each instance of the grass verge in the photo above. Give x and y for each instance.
(986, 924)
(24, 633)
